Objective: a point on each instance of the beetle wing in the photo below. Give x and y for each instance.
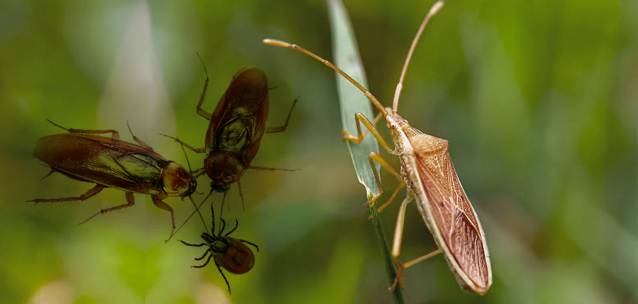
(107, 161)
(246, 99)
(453, 220)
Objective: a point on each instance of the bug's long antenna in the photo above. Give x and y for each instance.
(371, 97)
(190, 197)
(189, 217)
(435, 9)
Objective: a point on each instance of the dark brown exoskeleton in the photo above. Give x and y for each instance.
(430, 178)
(227, 252)
(235, 129)
(111, 162)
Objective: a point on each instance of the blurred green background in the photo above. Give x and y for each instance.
(537, 99)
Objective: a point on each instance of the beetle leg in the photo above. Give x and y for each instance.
(197, 173)
(194, 245)
(129, 198)
(203, 256)
(283, 128)
(247, 242)
(139, 141)
(210, 256)
(376, 157)
(162, 205)
(200, 150)
(95, 190)
(201, 111)
(359, 118)
(114, 133)
(223, 276)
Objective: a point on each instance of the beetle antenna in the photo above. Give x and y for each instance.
(435, 9)
(236, 224)
(189, 217)
(191, 197)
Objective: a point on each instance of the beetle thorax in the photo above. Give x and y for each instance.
(397, 126)
(176, 180)
(224, 168)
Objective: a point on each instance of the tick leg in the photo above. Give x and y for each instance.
(201, 111)
(359, 118)
(129, 198)
(220, 271)
(139, 141)
(376, 157)
(283, 128)
(236, 224)
(203, 256)
(247, 242)
(396, 245)
(200, 150)
(95, 190)
(270, 169)
(114, 133)
(210, 256)
(193, 245)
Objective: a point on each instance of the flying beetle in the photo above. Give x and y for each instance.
(227, 252)
(235, 129)
(430, 177)
(110, 162)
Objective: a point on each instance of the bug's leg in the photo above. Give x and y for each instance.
(223, 276)
(203, 256)
(50, 172)
(139, 141)
(236, 224)
(114, 133)
(129, 198)
(270, 169)
(201, 111)
(360, 119)
(197, 173)
(376, 157)
(93, 191)
(199, 150)
(194, 245)
(283, 128)
(396, 245)
(162, 205)
(241, 195)
(247, 242)
(210, 256)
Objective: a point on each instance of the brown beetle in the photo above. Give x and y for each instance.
(227, 252)
(430, 177)
(113, 163)
(235, 129)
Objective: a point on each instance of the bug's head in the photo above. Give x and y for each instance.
(177, 181)
(224, 169)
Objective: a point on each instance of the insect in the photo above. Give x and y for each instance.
(227, 252)
(430, 177)
(110, 162)
(235, 129)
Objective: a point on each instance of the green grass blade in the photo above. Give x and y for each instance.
(351, 100)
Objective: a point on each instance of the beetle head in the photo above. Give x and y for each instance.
(177, 181)
(224, 169)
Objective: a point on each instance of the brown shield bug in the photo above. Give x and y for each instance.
(227, 252)
(110, 162)
(430, 177)
(235, 129)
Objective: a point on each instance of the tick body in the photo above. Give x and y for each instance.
(236, 127)
(430, 178)
(227, 252)
(113, 163)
